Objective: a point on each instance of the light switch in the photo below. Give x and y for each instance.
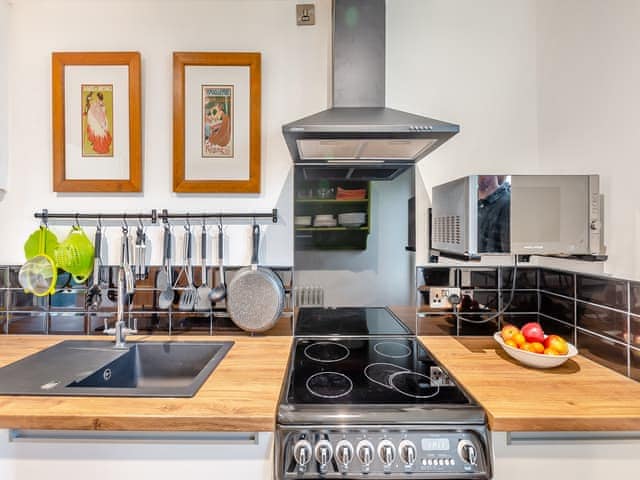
(306, 14)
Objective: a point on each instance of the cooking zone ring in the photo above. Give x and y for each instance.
(346, 391)
(403, 350)
(374, 365)
(394, 376)
(342, 352)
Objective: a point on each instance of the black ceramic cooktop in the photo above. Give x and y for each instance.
(348, 321)
(391, 370)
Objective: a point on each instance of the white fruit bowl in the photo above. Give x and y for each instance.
(535, 360)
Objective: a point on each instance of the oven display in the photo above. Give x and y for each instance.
(435, 444)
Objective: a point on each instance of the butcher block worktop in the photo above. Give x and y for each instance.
(580, 395)
(240, 395)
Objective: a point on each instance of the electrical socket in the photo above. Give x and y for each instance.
(439, 296)
(439, 377)
(306, 14)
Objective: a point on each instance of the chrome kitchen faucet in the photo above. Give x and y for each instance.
(120, 329)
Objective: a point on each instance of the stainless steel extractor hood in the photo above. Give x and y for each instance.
(359, 138)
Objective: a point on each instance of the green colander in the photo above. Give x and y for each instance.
(32, 245)
(75, 255)
(38, 275)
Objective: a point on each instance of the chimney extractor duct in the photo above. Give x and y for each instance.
(359, 134)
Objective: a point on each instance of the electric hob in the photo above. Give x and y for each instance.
(381, 370)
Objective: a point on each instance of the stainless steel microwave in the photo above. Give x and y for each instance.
(518, 214)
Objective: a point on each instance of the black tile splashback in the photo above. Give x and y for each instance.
(600, 314)
(438, 277)
(603, 291)
(482, 300)
(524, 302)
(609, 353)
(66, 312)
(479, 278)
(635, 298)
(556, 282)
(603, 321)
(557, 307)
(634, 359)
(527, 278)
(634, 328)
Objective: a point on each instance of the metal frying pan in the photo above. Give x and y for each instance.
(255, 295)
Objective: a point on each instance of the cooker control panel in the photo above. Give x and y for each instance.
(395, 453)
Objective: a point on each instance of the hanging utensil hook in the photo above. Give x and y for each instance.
(99, 223)
(187, 223)
(140, 223)
(77, 220)
(125, 224)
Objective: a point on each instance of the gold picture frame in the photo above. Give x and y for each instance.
(96, 125)
(216, 122)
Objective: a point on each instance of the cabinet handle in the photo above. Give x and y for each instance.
(237, 438)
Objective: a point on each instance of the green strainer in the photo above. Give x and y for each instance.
(39, 274)
(75, 255)
(32, 245)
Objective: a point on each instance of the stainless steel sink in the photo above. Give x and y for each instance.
(86, 368)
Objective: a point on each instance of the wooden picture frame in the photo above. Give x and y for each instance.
(96, 110)
(216, 122)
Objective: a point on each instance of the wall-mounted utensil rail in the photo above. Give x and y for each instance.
(273, 215)
(154, 216)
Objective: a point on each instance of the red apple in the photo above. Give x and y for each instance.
(533, 332)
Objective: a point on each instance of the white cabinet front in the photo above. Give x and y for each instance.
(566, 455)
(112, 455)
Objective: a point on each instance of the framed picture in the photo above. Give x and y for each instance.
(96, 122)
(216, 122)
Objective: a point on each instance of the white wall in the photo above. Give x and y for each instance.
(589, 109)
(4, 93)
(294, 84)
(537, 86)
(471, 63)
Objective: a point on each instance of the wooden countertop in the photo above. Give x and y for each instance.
(240, 395)
(580, 395)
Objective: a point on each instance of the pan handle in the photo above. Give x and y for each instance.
(255, 244)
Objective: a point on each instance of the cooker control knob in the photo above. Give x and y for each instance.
(407, 452)
(302, 452)
(323, 453)
(344, 453)
(364, 451)
(467, 452)
(386, 452)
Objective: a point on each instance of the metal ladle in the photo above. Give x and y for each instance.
(219, 292)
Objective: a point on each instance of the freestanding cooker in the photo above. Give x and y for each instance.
(365, 399)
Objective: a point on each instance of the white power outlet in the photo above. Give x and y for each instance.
(439, 296)
(439, 377)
